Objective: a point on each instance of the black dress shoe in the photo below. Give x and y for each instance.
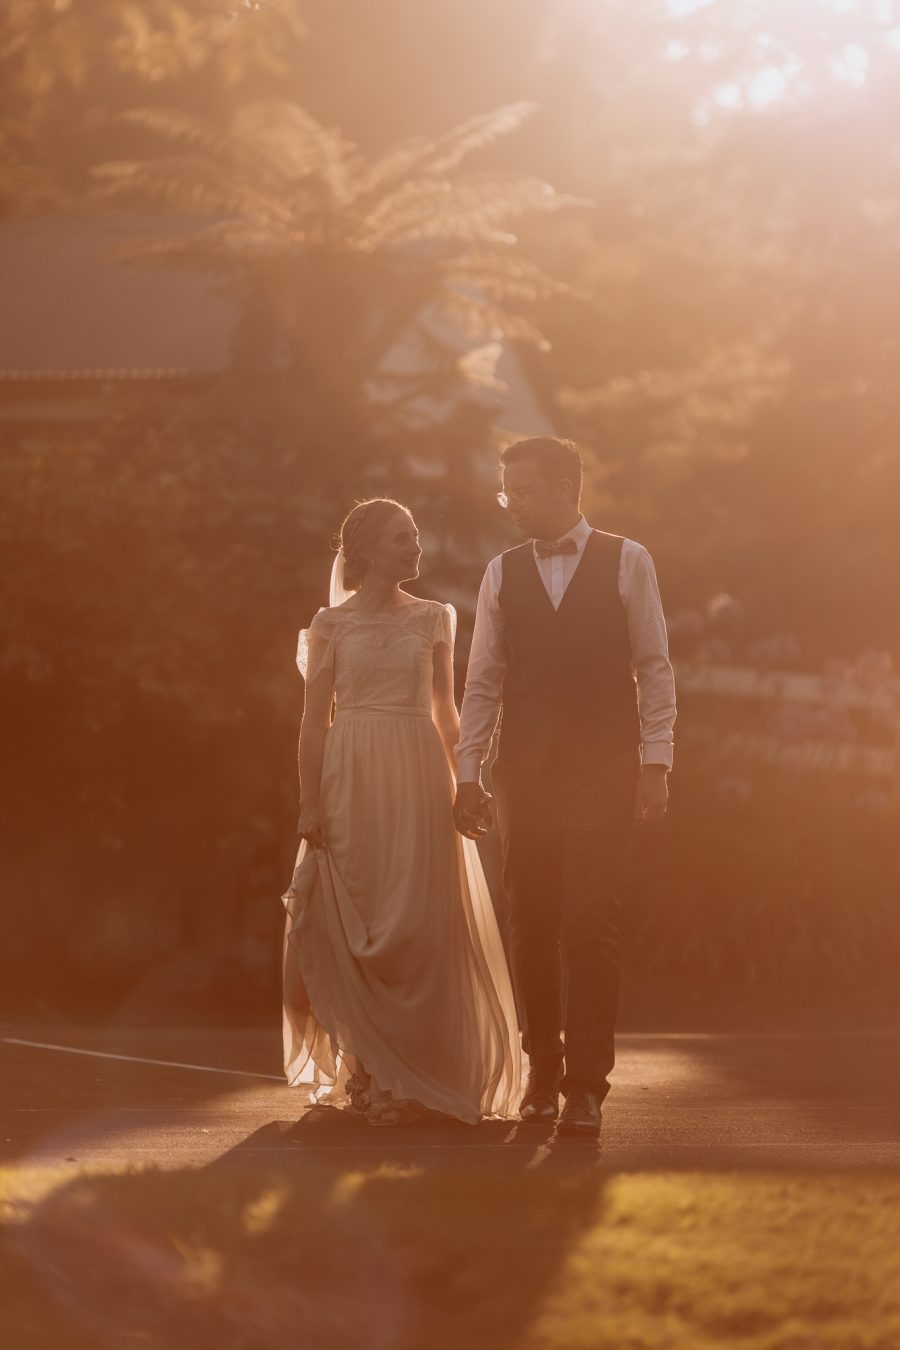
(539, 1108)
(540, 1105)
(580, 1115)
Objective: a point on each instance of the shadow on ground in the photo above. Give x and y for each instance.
(745, 1184)
(307, 1236)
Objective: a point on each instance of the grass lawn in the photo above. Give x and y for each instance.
(399, 1258)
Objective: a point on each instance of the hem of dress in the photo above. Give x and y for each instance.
(394, 1088)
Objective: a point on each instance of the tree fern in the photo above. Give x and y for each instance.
(279, 191)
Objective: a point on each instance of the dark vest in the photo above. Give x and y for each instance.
(568, 693)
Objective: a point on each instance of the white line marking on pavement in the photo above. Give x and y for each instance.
(138, 1059)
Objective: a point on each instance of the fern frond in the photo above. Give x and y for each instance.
(393, 167)
(505, 276)
(225, 244)
(179, 127)
(470, 207)
(295, 145)
(446, 228)
(273, 145)
(480, 319)
(443, 154)
(192, 185)
(475, 134)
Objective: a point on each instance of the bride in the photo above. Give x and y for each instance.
(396, 992)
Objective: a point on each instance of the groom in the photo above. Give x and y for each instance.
(570, 640)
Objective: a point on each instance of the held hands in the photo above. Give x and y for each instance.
(471, 811)
(652, 795)
(311, 826)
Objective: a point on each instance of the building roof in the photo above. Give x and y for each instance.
(72, 308)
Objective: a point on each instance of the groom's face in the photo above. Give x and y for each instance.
(534, 500)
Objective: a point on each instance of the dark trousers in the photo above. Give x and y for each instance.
(565, 833)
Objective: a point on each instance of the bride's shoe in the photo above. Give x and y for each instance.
(357, 1089)
(388, 1112)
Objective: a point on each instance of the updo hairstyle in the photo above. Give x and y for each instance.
(360, 532)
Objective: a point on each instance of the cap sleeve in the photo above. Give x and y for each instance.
(444, 622)
(315, 647)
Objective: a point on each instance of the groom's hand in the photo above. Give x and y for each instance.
(471, 810)
(652, 796)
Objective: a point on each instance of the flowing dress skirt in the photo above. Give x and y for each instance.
(392, 954)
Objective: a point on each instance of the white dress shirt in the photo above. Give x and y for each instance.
(650, 666)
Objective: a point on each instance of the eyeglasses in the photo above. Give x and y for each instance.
(517, 495)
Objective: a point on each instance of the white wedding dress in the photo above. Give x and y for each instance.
(392, 955)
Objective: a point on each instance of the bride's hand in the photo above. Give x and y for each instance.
(311, 826)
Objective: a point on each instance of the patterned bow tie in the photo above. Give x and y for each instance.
(545, 550)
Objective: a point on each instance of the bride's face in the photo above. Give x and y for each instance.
(396, 554)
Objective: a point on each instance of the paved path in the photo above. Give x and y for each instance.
(719, 1102)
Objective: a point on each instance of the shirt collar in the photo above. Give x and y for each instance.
(580, 532)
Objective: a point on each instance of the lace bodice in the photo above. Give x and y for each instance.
(377, 660)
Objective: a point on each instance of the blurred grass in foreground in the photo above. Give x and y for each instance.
(396, 1257)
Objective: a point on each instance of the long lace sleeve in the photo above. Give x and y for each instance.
(315, 647)
(444, 625)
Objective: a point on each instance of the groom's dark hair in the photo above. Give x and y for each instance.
(555, 457)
